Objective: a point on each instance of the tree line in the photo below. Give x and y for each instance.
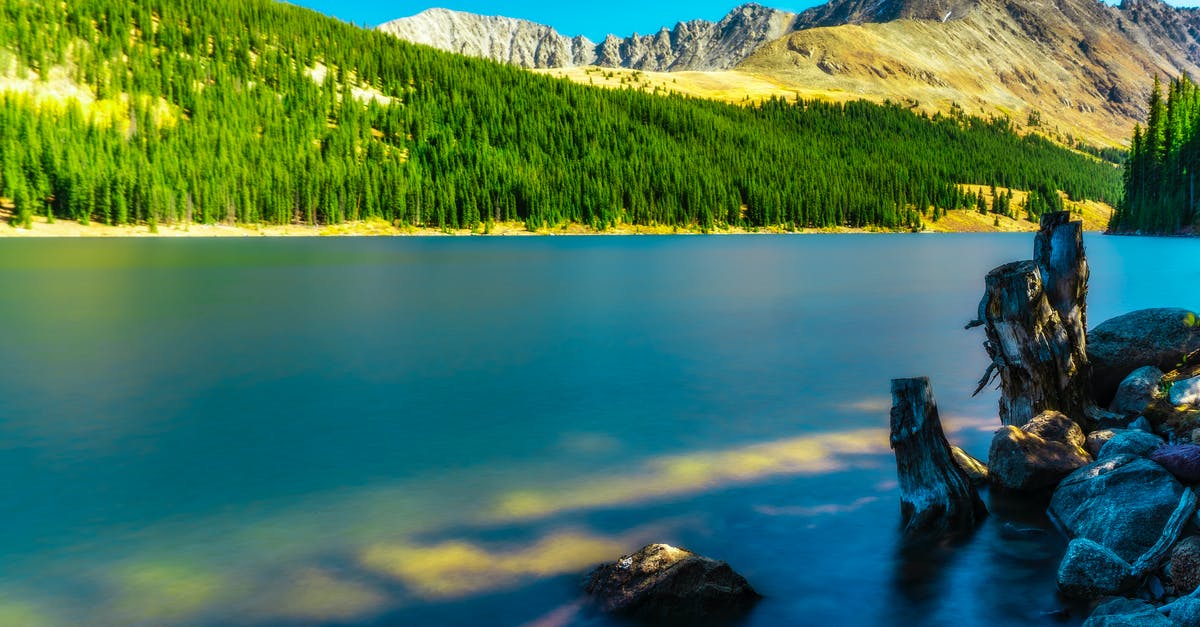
(1160, 173)
(260, 111)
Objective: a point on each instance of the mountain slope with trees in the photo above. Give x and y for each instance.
(257, 111)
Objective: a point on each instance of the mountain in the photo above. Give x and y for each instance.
(1075, 70)
(1067, 68)
(692, 45)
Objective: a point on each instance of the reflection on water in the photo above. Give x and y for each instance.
(430, 432)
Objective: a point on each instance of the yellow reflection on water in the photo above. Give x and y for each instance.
(162, 592)
(316, 595)
(695, 472)
(14, 612)
(457, 568)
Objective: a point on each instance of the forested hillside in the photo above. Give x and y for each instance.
(258, 111)
(1160, 174)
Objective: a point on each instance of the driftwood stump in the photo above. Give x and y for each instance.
(937, 497)
(1035, 318)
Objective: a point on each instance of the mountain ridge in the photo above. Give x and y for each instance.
(689, 45)
(1071, 69)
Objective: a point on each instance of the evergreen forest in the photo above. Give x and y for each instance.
(256, 111)
(1160, 173)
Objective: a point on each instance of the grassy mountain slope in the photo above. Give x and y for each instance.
(256, 111)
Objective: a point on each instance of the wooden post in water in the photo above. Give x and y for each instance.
(937, 497)
(1035, 316)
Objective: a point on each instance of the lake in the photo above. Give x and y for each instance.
(452, 431)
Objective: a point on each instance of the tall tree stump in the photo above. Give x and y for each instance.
(1035, 317)
(937, 497)
(1058, 251)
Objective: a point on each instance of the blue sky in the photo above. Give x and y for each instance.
(595, 20)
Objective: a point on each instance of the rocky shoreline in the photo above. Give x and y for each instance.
(1104, 425)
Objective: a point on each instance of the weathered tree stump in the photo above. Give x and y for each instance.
(937, 497)
(1036, 331)
(1058, 251)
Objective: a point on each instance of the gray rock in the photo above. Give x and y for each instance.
(1185, 611)
(976, 470)
(1132, 442)
(1150, 337)
(1038, 454)
(692, 45)
(1127, 613)
(1184, 566)
(664, 584)
(1137, 391)
(1090, 571)
(1186, 392)
(1097, 439)
(1123, 502)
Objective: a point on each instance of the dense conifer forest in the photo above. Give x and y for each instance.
(259, 111)
(1160, 173)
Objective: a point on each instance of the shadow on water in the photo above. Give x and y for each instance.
(1006, 568)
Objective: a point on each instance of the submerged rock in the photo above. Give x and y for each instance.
(1127, 613)
(1132, 442)
(1038, 454)
(1123, 502)
(1181, 460)
(1149, 337)
(664, 584)
(1137, 391)
(976, 470)
(1184, 566)
(1090, 571)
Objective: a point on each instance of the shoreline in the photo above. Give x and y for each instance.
(958, 221)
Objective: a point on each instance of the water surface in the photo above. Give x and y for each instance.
(449, 431)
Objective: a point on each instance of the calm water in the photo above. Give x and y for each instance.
(450, 431)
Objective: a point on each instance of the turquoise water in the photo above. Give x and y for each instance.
(450, 431)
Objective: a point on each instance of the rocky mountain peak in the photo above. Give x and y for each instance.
(690, 45)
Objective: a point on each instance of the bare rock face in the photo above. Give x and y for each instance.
(692, 45)
(1037, 455)
(1149, 337)
(667, 585)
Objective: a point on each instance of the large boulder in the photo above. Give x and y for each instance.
(1184, 566)
(1127, 613)
(1090, 571)
(1123, 503)
(1038, 454)
(1131, 442)
(1150, 337)
(667, 585)
(1137, 391)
